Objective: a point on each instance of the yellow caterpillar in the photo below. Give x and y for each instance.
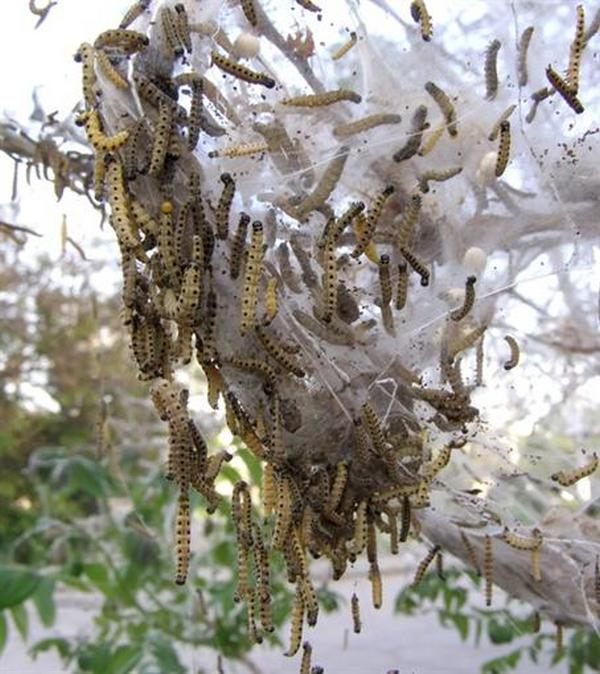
(356, 624)
(567, 478)
(224, 205)
(522, 48)
(462, 312)
(240, 150)
(274, 348)
(271, 302)
(162, 135)
(128, 41)
(488, 569)
(182, 27)
(491, 69)
(365, 124)
(424, 565)
(182, 538)
(409, 220)
(562, 86)
(251, 276)
(329, 283)
(241, 72)
(417, 264)
(503, 118)
(135, 11)
(437, 176)
(503, 148)
(346, 47)
(99, 141)
(297, 622)
(575, 51)
(419, 13)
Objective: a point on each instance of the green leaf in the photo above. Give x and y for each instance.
(62, 646)
(461, 622)
(86, 475)
(20, 619)
(43, 598)
(98, 575)
(3, 632)
(500, 633)
(229, 473)
(16, 585)
(124, 659)
(166, 656)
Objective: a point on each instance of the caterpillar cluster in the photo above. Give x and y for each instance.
(260, 299)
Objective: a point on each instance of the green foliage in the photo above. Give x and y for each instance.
(124, 556)
(449, 598)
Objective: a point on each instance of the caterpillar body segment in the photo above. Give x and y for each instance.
(346, 47)
(322, 100)
(567, 478)
(419, 13)
(241, 72)
(445, 105)
(462, 312)
(491, 69)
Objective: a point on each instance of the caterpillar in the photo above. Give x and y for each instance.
(409, 220)
(537, 97)
(575, 51)
(419, 13)
(85, 56)
(445, 105)
(374, 428)
(190, 295)
(462, 312)
(128, 41)
(269, 489)
(329, 283)
(385, 281)
(398, 490)
(503, 118)
(442, 459)
(377, 207)
(417, 264)
(298, 553)
(424, 565)
(168, 23)
(339, 484)
(346, 47)
(297, 621)
(131, 160)
(323, 99)
(335, 228)
(182, 27)
(567, 478)
(251, 614)
(117, 198)
(491, 69)
(251, 277)
(100, 142)
(356, 624)
(262, 580)
(404, 519)
(214, 464)
(376, 585)
(325, 186)
(431, 140)
(371, 542)
(393, 526)
(563, 89)
(166, 243)
(310, 6)
(275, 349)
(536, 622)
(513, 361)
(148, 91)
(306, 657)
(470, 550)
(360, 529)
(418, 125)
(488, 569)
(196, 113)
(310, 602)
(249, 11)
(257, 366)
(365, 124)
(271, 302)
(237, 246)
(522, 543)
(239, 150)
(224, 205)
(209, 349)
(182, 538)
(241, 72)
(162, 134)
(283, 514)
(135, 11)
(438, 176)
(503, 149)
(522, 48)
(109, 70)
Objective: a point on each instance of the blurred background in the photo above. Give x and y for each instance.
(86, 516)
